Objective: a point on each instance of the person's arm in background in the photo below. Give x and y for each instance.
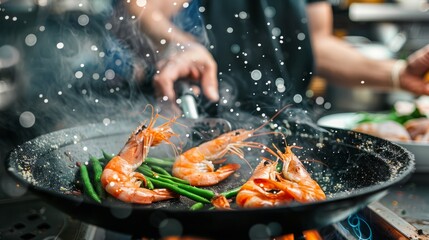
(341, 64)
(181, 55)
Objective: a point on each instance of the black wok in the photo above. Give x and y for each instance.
(354, 169)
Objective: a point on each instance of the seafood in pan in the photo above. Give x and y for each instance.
(119, 177)
(129, 177)
(269, 187)
(196, 165)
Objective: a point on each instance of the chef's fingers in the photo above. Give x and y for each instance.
(418, 62)
(209, 81)
(414, 84)
(164, 81)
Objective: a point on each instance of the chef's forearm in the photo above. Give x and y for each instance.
(342, 64)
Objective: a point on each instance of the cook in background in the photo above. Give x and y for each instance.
(268, 51)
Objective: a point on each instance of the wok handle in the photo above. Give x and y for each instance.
(188, 99)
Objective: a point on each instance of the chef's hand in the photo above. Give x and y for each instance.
(192, 61)
(412, 78)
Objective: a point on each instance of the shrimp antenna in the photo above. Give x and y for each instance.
(272, 118)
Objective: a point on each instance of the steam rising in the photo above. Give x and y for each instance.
(83, 63)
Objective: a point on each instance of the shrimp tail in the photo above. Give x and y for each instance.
(124, 192)
(220, 202)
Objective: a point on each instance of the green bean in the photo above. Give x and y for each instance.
(107, 156)
(146, 170)
(159, 162)
(88, 188)
(201, 192)
(178, 190)
(160, 170)
(197, 206)
(231, 193)
(175, 179)
(146, 167)
(149, 184)
(98, 170)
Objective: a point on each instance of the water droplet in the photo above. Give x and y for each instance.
(60, 45)
(95, 76)
(83, 20)
(185, 5)
(256, 75)
(235, 48)
(106, 121)
(78, 74)
(141, 3)
(27, 119)
(202, 9)
(327, 105)
(320, 100)
(209, 26)
(270, 12)
(301, 36)
(276, 31)
(242, 15)
(165, 98)
(229, 30)
(109, 74)
(108, 26)
(297, 98)
(30, 40)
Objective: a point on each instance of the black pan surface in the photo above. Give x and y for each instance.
(354, 169)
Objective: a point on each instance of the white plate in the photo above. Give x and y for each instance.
(339, 120)
(348, 120)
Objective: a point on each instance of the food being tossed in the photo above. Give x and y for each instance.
(134, 176)
(408, 121)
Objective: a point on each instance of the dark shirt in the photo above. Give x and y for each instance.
(262, 49)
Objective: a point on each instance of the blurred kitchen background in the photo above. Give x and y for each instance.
(379, 29)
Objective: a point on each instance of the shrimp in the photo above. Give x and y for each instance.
(293, 179)
(221, 202)
(268, 187)
(253, 195)
(196, 165)
(119, 177)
